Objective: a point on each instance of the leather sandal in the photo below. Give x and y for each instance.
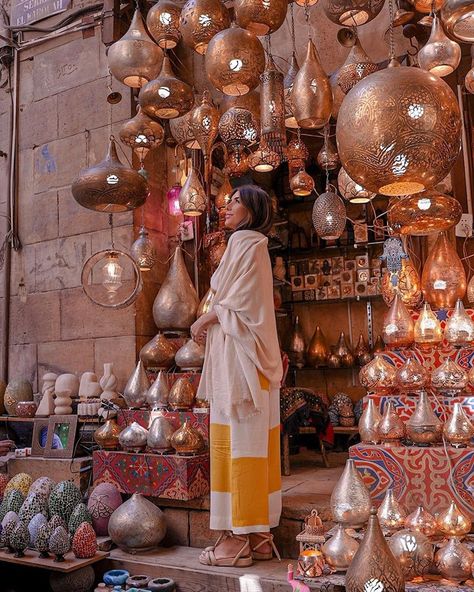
(243, 557)
(265, 537)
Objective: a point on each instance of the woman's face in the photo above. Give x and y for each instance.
(236, 212)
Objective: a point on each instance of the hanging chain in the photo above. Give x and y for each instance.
(306, 16)
(111, 224)
(326, 145)
(293, 36)
(109, 87)
(391, 39)
(269, 46)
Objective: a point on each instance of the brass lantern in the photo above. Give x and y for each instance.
(238, 129)
(272, 108)
(110, 186)
(237, 164)
(351, 190)
(249, 101)
(261, 17)
(288, 81)
(182, 132)
(329, 215)
(163, 23)
(143, 251)
(302, 184)
(458, 19)
(141, 134)
(235, 59)
(192, 198)
(201, 20)
(399, 131)
(135, 59)
(358, 65)
(166, 96)
(264, 159)
(311, 95)
(440, 55)
(205, 123)
(328, 158)
(352, 14)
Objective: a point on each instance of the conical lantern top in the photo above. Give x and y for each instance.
(453, 522)
(411, 376)
(192, 198)
(428, 332)
(458, 430)
(318, 350)
(424, 427)
(391, 427)
(358, 65)
(398, 330)
(137, 386)
(459, 330)
(440, 55)
(205, 123)
(350, 498)
(391, 513)
(378, 375)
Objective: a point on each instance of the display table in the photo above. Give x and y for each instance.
(70, 563)
(405, 404)
(169, 476)
(199, 421)
(418, 476)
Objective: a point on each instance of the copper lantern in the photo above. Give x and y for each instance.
(329, 215)
(192, 198)
(235, 59)
(135, 59)
(398, 327)
(238, 129)
(302, 184)
(424, 213)
(249, 101)
(205, 123)
(261, 17)
(264, 159)
(351, 190)
(288, 81)
(358, 65)
(201, 20)
(398, 131)
(141, 134)
(163, 23)
(352, 14)
(272, 108)
(182, 132)
(440, 55)
(458, 19)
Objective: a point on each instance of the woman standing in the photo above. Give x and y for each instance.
(241, 379)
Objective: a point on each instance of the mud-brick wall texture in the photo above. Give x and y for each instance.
(64, 125)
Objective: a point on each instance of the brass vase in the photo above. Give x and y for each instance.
(187, 440)
(454, 561)
(411, 376)
(181, 396)
(133, 438)
(369, 423)
(391, 427)
(449, 378)
(157, 395)
(458, 430)
(391, 513)
(176, 303)
(459, 330)
(340, 549)
(424, 427)
(350, 499)
(158, 353)
(361, 352)
(443, 280)
(408, 286)
(137, 387)
(378, 375)
(190, 356)
(318, 350)
(453, 522)
(107, 436)
(421, 521)
(297, 346)
(398, 327)
(206, 303)
(343, 351)
(413, 551)
(159, 434)
(428, 332)
(374, 567)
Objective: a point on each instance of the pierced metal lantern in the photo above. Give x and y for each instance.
(192, 198)
(261, 17)
(182, 131)
(352, 14)
(141, 134)
(201, 20)
(237, 164)
(302, 184)
(110, 186)
(264, 159)
(163, 23)
(357, 65)
(249, 101)
(290, 120)
(238, 129)
(458, 19)
(329, 215)
(328, 158)
(440, 55)
(272, 108)
(351, 190)
(205, 124)
(143, 250)
(297, 151)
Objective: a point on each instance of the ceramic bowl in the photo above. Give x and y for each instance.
(26, 409)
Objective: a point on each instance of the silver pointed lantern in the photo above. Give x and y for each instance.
(143, 251)
(137, 387)
(157, 395)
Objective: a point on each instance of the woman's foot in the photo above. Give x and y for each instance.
(262, 546)
(230, 550)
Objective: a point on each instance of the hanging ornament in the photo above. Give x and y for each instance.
(200, 21)
(351, 190)
(398, 131)
(358, 65)
(428, 332)
(459, 330)
(288, 81)
(143, 250)
(249, 101)
(311, 95)
(469, 78)
(166, 96)
(398, 329)
(110, 186)
(235, 59)
(162, 22)
(238, 129)
(264, 159)
(349, 14)
(205, 124)
(328, 158)
(272, 108)
(237, 164)
(135, 59)
(192, 198)
(142, 134)
(302, 184)
(260, 17)
(458, 19)
(440, 55)
(181, 130)
(443, 280)
(329, 215)
(406, 282)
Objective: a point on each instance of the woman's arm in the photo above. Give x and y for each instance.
(199, 327)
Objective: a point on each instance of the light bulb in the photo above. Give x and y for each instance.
(112, 275)
(428, 331)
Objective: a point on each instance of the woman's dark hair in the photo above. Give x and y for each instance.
(258, 203)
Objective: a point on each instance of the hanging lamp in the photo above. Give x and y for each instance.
(329, 215)
(143, 250)
(351, 14)
(469, 78)
(162, 22)
(297, 153)
(351, 190)
(205, 124)
(289, 79)
(302, 184)
(264, 159)
(249, 101)
(261, 18)
(426, 6)
(238, 129)
(357, 66)
(142, 134)
(181, 130)
(135, 59)
(272, 108)
(192, 198)
(458, 19)
(440, 55)
(328, 158)
(201, 20)
(237, 164)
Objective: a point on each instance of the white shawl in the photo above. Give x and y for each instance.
(245, 340)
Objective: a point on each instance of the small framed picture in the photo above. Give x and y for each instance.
(311, 282)
(349, 265)
(61, 436)
(337, 264)
(309, 295)
(322, 293)
(334, 292)
(347, 290)
(40, 436)
(363, 275)
(297, 282)
(361, 233)
(362, 261)
(371, 290)
(347, 277)
(360, 288)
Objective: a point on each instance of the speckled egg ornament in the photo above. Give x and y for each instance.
(34, 525)
(42, 541)
(8, 525)
(4, 479)
(19, 539)
(63, 499)
(22, 482)
(84, 542)
(59, 543)
(43, 485)
(103, 502)
(34, 503)
(79, 515)
(56, 521)
(13, 501)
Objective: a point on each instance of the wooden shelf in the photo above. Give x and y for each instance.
(333, 300)
(315, 369)
(70, 563)
(12, 418)
(344, 430)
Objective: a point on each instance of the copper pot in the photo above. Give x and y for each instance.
(107, 436)
(187, 440)
(424, 427)
(181, 396)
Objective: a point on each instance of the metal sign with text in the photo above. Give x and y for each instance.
(31, 11)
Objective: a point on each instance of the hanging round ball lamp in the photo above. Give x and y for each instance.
(135, 59)
(141, 134)
(426, 6)
(143, 251)
(328, 158)
(163, 23)
(249, 101)
(399, 131)
(235, 59)
(424, 213)
(440, 55)
(329, 215)
(182, 132)
(311, 95)
(358, 65)
(111, 279)
(201, 20)
(351, 190)
(166, 96)
(302, 184)
(260, 17)
(205, 124)
(297, 151)
(458, 19)
(192, 198)
(237, 164)
(264, 160)
(238, 129)
(288, 81)
(348, 13)
(110, 186)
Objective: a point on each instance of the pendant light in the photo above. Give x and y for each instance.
(264, 159)
(205, 124)
(166, 96)
(143, 250)
(329, 215)
(141, 134)
(469, 78)
(428, 332)
(440, 55)
(290, 76)
(235, 59)
(200, 20)
(162, 22)
(459, 329)
(351, 190)
(192, 198)
(357, 65)
(328, 158)
(458, 19)
(398, 328)
(238, 129)
(348, 13)
(272, 107)
(260, 17)
(237, 164)
(135, 59)
(406, 281)
(297, 152)
(181, 130)
(302, 184)
(249, 101)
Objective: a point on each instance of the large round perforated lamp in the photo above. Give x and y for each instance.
(399, 131)
(458, 19)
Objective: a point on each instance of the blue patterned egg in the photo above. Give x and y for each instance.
(34, 525)
(63, 499)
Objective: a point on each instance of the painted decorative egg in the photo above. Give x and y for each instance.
(79, 515)
(59, 543)
(43, 485)
(13, 501)
(42, 540)
(19, 539)
(17, 390)
(8, 525)
(34, 525)
(81, 580)
(56, 521)
(22, 482)
(84, 542)
(4, 479)
(103, 502)
(63, 499)
(34, 503)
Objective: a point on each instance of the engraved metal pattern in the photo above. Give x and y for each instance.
(200, 20)
(458, 19)
(204, 123)
(238, 129)
(141, 133)
(329, 216)
(261, 17)
(272, 109)
(358, 65)
(350, 499)
(352, 14)
(163, 23)
(440, 55)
